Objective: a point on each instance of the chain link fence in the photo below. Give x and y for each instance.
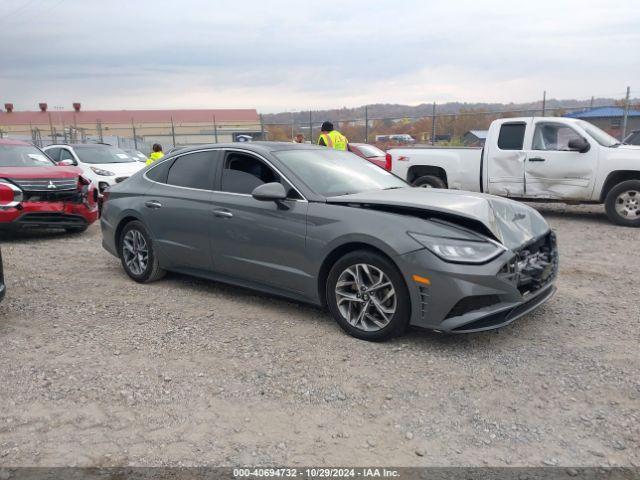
(463, 128)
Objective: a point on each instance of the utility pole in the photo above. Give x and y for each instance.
(366, 124)
(626, 115)
(173, 132)
(433, 124)
(544, 103)
(591, 104)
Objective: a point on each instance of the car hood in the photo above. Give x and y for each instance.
(39, 172)
(512, 223)
(124, 168)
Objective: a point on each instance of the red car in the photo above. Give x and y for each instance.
(369, 152)
(37, 192)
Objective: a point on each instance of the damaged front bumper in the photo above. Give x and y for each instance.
(472, 298)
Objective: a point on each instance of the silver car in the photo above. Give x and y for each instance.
(330, 228)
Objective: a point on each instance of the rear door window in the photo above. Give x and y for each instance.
(193, 170)
(511, 136)
(53, 153)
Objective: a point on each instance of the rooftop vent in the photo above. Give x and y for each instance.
(43, 107)
(76, 106)
(8, 107)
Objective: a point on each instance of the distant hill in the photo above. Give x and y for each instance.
(387, 110)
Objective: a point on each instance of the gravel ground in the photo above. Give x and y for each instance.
(98, 370)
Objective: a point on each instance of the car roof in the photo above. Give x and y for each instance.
(257, 147)
(79, 145)
(11, 141)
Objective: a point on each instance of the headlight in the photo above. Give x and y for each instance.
(99, 171)
(460, 251)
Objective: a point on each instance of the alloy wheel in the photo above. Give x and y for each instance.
(628, 204)
(366, 297)
(135, 251)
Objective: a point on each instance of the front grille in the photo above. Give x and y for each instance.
(121, 179)
(46, 184)
(51, 219)
(72, 196)
(537, 264)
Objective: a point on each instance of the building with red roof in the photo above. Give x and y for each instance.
(168, 127)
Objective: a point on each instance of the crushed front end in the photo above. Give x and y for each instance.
(461, 298)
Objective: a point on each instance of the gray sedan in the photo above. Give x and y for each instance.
(330, 228)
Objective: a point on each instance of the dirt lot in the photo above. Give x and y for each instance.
(98, 370)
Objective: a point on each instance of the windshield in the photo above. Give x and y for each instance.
(370, 151)
(23, 156)
(600, 136)
(102, 154)
(331, 172)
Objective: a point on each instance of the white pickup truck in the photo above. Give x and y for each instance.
(535, 158)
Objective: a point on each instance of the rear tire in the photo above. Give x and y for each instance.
(623, 204)
(429, 181)
(138, 255)
(364, 307)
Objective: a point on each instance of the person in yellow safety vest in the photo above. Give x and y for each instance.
(332, 138)
(156, 154)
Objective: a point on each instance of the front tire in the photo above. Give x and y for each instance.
(429, 181)
(623, 204)
(367, 296)
(137, 254)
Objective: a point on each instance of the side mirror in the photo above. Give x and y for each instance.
(267, 192)
(579, 145)
(66, 163)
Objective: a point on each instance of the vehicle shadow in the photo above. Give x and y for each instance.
(20, 236)
(414, 337)
(590, 213)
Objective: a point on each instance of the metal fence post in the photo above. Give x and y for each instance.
(215, 129)
(310, 126)
(625, 117)
(173, 132)
(433, 124)
(366, 124)
(99, 129)
(544, 103)
(135, 138)
(262, 128)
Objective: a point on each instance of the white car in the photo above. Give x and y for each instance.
(104, 165)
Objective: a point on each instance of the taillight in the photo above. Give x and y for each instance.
(387, 162)
(10, 195)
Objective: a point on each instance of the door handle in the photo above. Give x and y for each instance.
(152, 204)
(537, 159)
(223, 213)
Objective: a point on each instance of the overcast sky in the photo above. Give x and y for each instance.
(281, 55)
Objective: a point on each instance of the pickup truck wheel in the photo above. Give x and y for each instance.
(623, 204)
(429, 181)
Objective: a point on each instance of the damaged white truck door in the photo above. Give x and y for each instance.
(504, 158)
(552, 169)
